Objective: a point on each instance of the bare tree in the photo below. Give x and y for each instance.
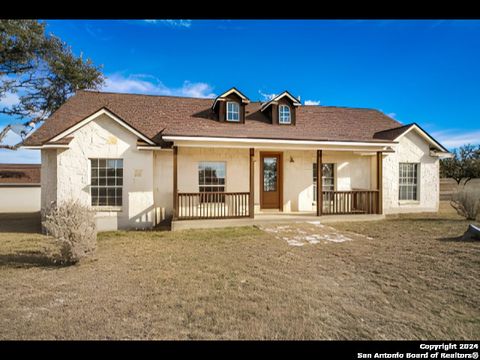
(464, 165)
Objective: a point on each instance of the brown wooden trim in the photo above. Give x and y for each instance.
(319, 182)
(274, 114)
(380, 182)
(252, 185)
(281, 182)
(279, 176)
(222, 112)
(350, 202)
(260, 177)
(212, 205)
(175, 183)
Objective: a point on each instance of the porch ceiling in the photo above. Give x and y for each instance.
(183, 141)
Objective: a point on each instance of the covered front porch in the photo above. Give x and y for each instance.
(279, 183)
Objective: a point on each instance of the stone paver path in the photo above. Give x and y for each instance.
(310, 232)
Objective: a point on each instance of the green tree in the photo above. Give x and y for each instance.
(464, 165)
(41, 71)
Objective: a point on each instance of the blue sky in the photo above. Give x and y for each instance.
(415, 71)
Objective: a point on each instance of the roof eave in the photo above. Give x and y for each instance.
(222, 97)
(278, 97)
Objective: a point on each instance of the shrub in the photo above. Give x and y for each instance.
(73, 227)
(467, 203)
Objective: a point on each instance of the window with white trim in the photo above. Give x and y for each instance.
(233, 111)
(328, 178)
(408, 181)
(284, 114)
(106, 182)
(211, 176)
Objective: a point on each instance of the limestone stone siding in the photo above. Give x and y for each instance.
(414, 149)
(104, 138)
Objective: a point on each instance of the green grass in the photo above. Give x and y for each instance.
(413, 280)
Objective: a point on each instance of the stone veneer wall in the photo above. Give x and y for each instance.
(104, 138)
(414, 149)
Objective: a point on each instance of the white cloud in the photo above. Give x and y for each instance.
(147, 84)
(265, 96)
(9, 99)
(392, 115)
(172, 23)
(312, 102)
(453, 138)
(196, 90)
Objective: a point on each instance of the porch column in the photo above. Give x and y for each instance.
(319, 183)
(380, 182)
(175, 184)
(251, 196)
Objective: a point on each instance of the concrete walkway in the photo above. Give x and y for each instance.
(271, 218)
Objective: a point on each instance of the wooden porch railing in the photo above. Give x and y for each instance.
(350, 202)
(213, 205)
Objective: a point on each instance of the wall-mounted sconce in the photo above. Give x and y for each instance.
(291, 159)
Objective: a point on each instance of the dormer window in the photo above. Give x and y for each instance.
(230, 106)
(233, 111)
(284, 116)
(282, 109)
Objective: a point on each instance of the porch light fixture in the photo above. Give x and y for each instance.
(291, 159)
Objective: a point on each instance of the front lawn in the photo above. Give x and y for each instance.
(408, 278)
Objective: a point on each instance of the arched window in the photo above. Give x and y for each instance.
(233, 111)
(284, 115)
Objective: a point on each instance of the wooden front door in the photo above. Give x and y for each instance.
(271, 182)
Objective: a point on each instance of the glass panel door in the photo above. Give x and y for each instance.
(269, 174)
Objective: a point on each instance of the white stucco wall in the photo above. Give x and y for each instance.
(236, 171)
(411, 148)
(351, 171)
(298, 183)
(237, 167)
(19, 199)
(48, 175)
(163, 184)
(104, 138)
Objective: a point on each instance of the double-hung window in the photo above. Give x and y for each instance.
(328, 178)
(284, 115)
(233, 111)
(106, 182)
(408, 180)
(211, 179)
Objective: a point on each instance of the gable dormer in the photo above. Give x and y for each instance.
(281, 110)
(230, 106)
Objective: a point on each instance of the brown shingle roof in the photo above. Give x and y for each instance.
(19, 173)
(63, 141)
(392, 134)
(155, 116)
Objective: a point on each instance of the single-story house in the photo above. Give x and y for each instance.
(140, 159)
(19, 188)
